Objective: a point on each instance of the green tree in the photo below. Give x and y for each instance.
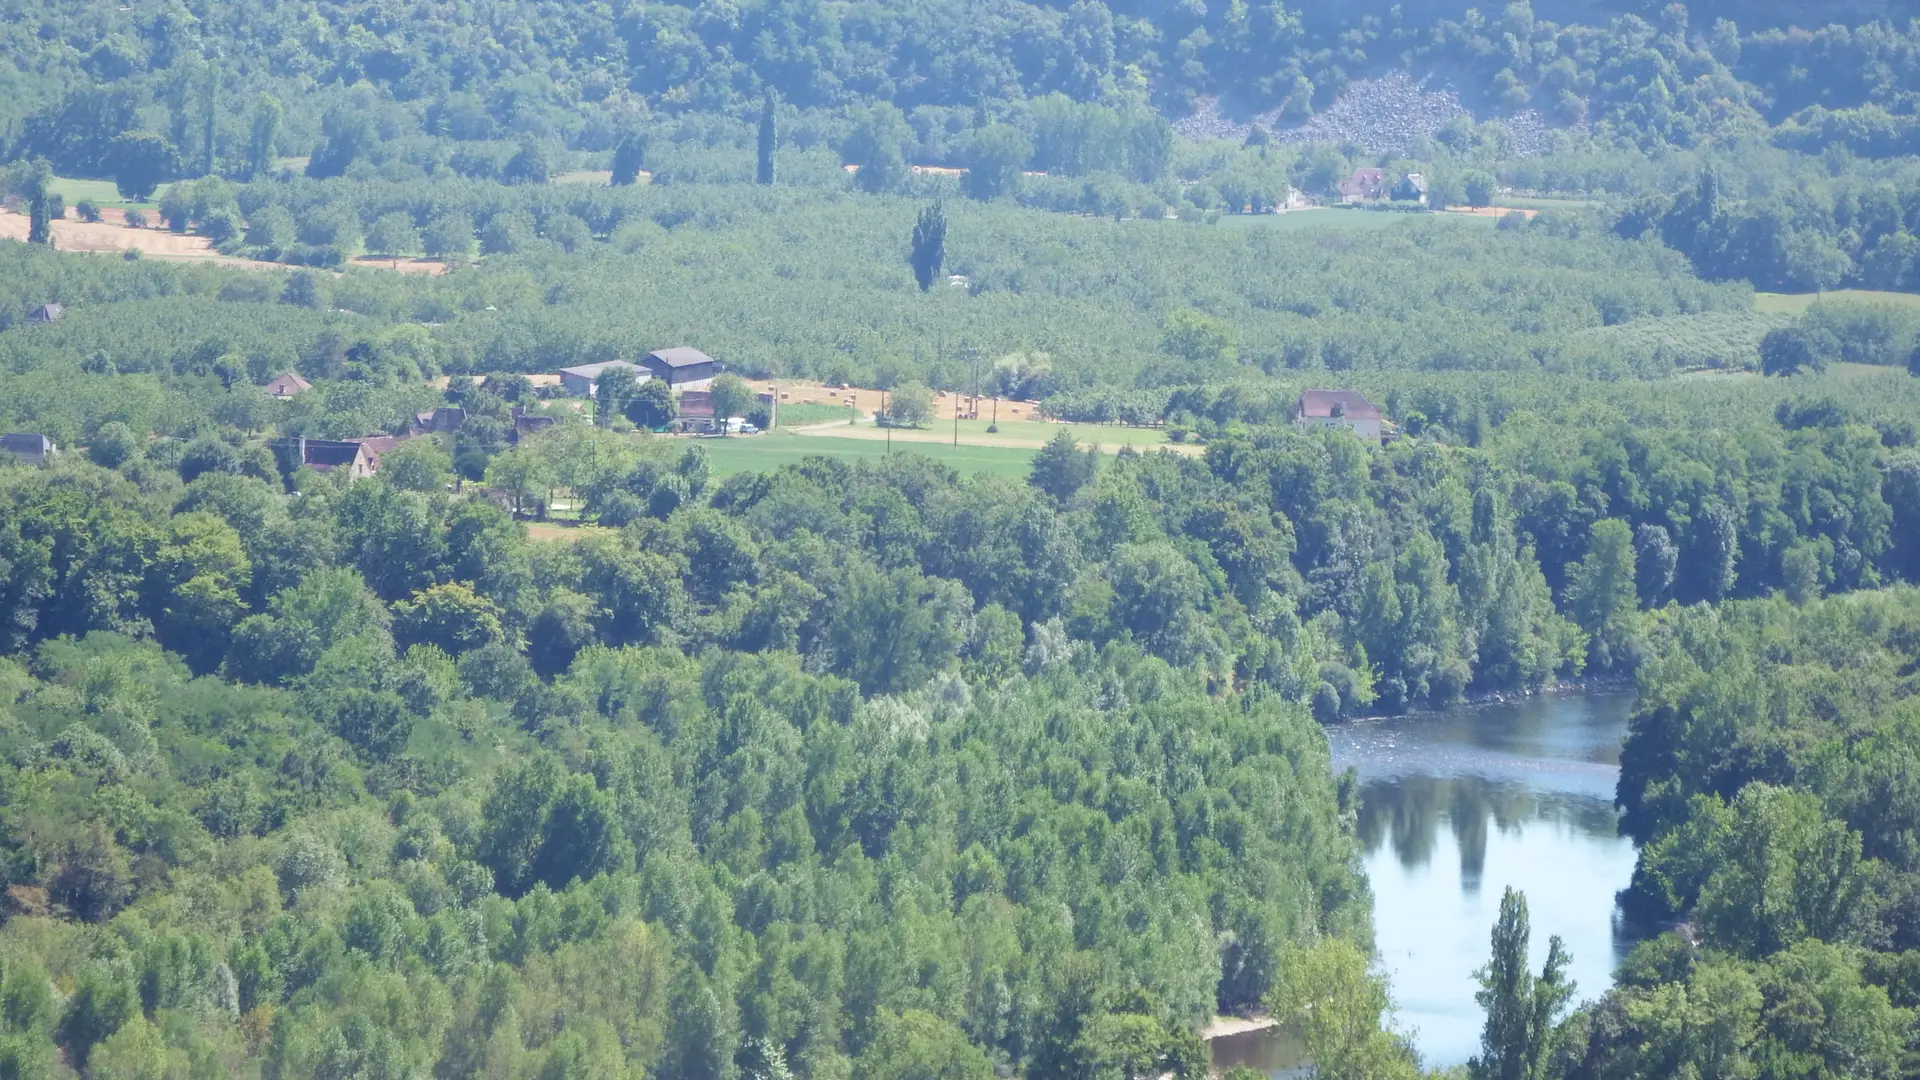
(102, 1003)
(996, 154)
(393, 235)
(532, 163)
(37, 186)
(1479, 187)
(652, 405)
(449, 236)
(916, 1045)
(1340, 1008)
(263, 136)
(1197, 337)
(1521, 1009)
(139, 161)
(629, 157)
(928, 245)
(732, 397)
(1060, 469)
(1602, 596)
(420, 464)
(1789, 351)
(874, 149)
(304, 288)
(612, 392)
(768, 138)
(910, 405)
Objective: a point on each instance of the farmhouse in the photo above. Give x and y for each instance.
(32, 449)
(1365, 185)
(46, 313)
(583, 380)
(330, 455)
(680, 366)
(288, 385)
(1339, 408)
(357, 457)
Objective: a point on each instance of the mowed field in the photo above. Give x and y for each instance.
(759, 453)
(1798, 303)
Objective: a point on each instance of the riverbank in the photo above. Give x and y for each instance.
(1221, 1027)
(1598, 684)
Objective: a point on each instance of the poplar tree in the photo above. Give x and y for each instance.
(929, 245)
(769, 138)
(1520, 1008)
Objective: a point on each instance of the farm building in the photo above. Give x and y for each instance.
(1339, 408)
(583, 380)
(1365, 185)
(680, 366)
(288, 385)
(32, 449)
(439, 420)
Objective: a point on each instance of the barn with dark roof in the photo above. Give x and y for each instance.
(680, 366)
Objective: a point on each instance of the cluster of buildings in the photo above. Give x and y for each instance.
(1373, 185)
(687, 371)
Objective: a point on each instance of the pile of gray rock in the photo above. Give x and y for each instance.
(1387, 115)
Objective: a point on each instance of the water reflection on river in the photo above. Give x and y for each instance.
(1457, 806)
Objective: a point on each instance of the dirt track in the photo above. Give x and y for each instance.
(111, 235)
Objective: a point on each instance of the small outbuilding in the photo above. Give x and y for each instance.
(583, 380)
(46, 313)
(30, 448)
(1339, 408)
(287, 385)
(680, 366)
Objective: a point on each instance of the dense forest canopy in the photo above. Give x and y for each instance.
(555, 750)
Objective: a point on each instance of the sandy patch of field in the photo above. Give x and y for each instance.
(867, 402)
(111, 236)
(429, 267)
(1493, 211)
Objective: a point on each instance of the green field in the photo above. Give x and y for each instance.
(792, 416)
(772, 450)
(1798, 303)
(101, 192)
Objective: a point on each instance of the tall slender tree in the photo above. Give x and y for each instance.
(929, 248)
(628, 157)
(38, 185)
(769, 137)
(267, 114)
(209, 116)
(1521, 1009)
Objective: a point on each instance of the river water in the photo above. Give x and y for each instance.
(1454, 808)
(1457, 806)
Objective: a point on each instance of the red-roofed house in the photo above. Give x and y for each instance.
(1364, 185)
(1339, 408)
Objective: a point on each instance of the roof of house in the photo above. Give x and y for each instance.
(25, 443)
(1319, 404)
(441, 418)
(46, 313)
(287, 384)
(592, 372)
(680, 356)
(323, 455)
(377, 445)
(696, 404)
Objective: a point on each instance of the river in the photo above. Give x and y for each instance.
(1454, 808)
